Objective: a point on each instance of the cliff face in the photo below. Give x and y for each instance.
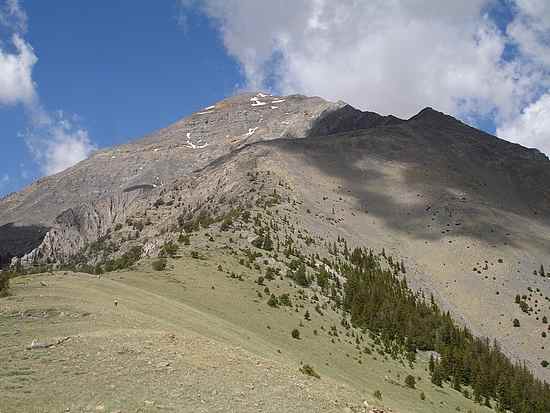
(76, 227)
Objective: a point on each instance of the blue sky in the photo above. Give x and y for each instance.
(125, 71)
(109, 72)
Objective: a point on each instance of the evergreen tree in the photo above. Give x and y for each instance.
(431, 365)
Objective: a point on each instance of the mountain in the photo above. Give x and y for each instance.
(465, 214)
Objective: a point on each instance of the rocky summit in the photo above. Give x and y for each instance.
(228, 225)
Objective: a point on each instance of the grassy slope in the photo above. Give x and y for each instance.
(174, 341)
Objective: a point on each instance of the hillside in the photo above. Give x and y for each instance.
(195, 338)
(464, 213)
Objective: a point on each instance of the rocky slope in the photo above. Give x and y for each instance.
(468, 213)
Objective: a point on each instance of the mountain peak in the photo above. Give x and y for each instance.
(430, 114)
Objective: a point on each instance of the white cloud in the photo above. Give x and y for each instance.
(391, 57)
(55, 141)
(4, 179)
(532, 127)
(16, 84)
(13, 16)
(17, 57)
(530, 29)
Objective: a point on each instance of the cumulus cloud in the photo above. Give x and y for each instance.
(532, 127)
(530, 29)
(16, 84)
(55, 141)
(392, 57)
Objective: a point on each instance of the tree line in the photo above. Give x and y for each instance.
(379, 299)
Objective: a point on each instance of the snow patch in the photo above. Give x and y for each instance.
(256, 102)
(156, 150)
(251, 131)
(278, 101)
(262, 95)
(206, 111)
(274, 107)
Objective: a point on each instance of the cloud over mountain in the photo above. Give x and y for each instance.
(464, 58)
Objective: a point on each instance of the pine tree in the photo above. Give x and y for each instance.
(437, 377)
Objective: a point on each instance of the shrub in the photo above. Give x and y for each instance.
(410, 381)
(309, 371)
(184, 239)
(138, 226)
(295, 334)
(378, 394)
(134, 254)
(260, 280)
(273, 301)
(125, 261)
(226, 223)
(263, 242)
(270, 273)
(544, 363)
(422, 396)
(4, 284)
(284, 299)
(169, 249)
(516, 322)
(298, 273)
(159, 264)
(318, 309)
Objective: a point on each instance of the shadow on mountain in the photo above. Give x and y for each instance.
(348, 119)
(467, 182)
(16, 241)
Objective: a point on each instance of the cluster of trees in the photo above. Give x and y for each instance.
(297, 271)
(380, 300)
(263, 242)
(126, 260)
